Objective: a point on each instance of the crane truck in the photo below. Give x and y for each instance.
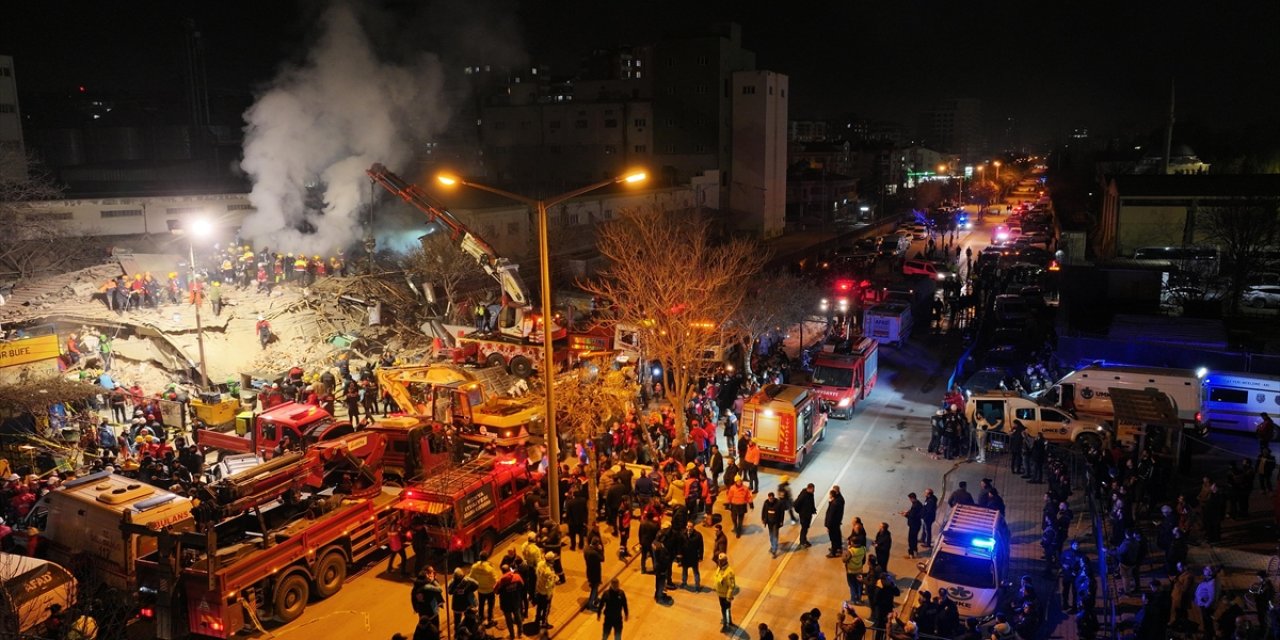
(267, 540)
(517, 343)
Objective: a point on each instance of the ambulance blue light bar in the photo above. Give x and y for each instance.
(984, 543)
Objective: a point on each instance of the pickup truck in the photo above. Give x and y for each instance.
(1003, 407)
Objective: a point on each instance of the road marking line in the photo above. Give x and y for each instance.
(786, 558)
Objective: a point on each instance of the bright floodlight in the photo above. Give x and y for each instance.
(1202, 372)
(200, 227)
(639, 176)
(445, 178)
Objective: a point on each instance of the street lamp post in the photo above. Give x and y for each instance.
(541, 205)
(201, 227)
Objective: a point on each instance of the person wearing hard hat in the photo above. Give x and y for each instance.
(215, 298)
(319, 265)
(263, 328)
(172, 288)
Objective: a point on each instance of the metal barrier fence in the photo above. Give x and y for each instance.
(1106, 585)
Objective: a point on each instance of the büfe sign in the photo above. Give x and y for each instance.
(28, 350)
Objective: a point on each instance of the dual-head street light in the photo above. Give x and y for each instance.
(541, 205)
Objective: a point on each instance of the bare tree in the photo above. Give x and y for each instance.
(1242, 233)
(441, 262)
(29, 241)
(774, 301)
(667, 279)
(587, 405)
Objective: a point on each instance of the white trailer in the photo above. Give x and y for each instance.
(888, 322)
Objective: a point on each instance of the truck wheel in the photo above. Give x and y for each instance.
(495, 359)
(799, 460)
(1089, 440)
(330, 574)
(521, 367)
(291, 597)
(822, 435)
(485, 545)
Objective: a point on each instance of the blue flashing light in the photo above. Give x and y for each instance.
(984, 543)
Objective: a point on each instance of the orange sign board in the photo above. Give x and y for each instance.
(28, 350)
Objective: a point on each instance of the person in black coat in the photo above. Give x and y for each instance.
(805, 509)
(915, 518)
(613, 608)
(834, 517)
(647, 533)
(575, 515)
(661, 565)
(960, 495)
(883, 543)
(691, 553)
(927, 515)
(593, 556)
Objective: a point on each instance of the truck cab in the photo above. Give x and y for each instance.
(1003, 407)
(304, 424)
(467, 508)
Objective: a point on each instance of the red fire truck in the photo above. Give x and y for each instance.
(844, 373)
(785, 421)
(269, 539)
(467, 508)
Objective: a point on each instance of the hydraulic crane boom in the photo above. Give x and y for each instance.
(504, 271)
(361, 453)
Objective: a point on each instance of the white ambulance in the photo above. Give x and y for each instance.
(970, 560)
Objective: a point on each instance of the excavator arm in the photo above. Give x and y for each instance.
(504, 271)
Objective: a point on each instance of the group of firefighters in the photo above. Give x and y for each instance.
(235, 266)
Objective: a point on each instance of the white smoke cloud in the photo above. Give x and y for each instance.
(327, 120)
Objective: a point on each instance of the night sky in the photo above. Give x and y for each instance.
(1052, 66)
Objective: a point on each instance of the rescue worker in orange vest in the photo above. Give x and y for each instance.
(264, 283)
(335, 266)
(318, 263)
(342, 264)
(197, 292)
(108, 291)
(277, 269)
(73, 348)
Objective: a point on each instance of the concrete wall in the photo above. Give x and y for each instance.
(129, 216)
(1149, 226)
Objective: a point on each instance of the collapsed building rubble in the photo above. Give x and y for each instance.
(364, 314)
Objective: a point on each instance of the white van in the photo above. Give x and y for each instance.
(1086, 390)
(970, 560)
(1232, 401)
